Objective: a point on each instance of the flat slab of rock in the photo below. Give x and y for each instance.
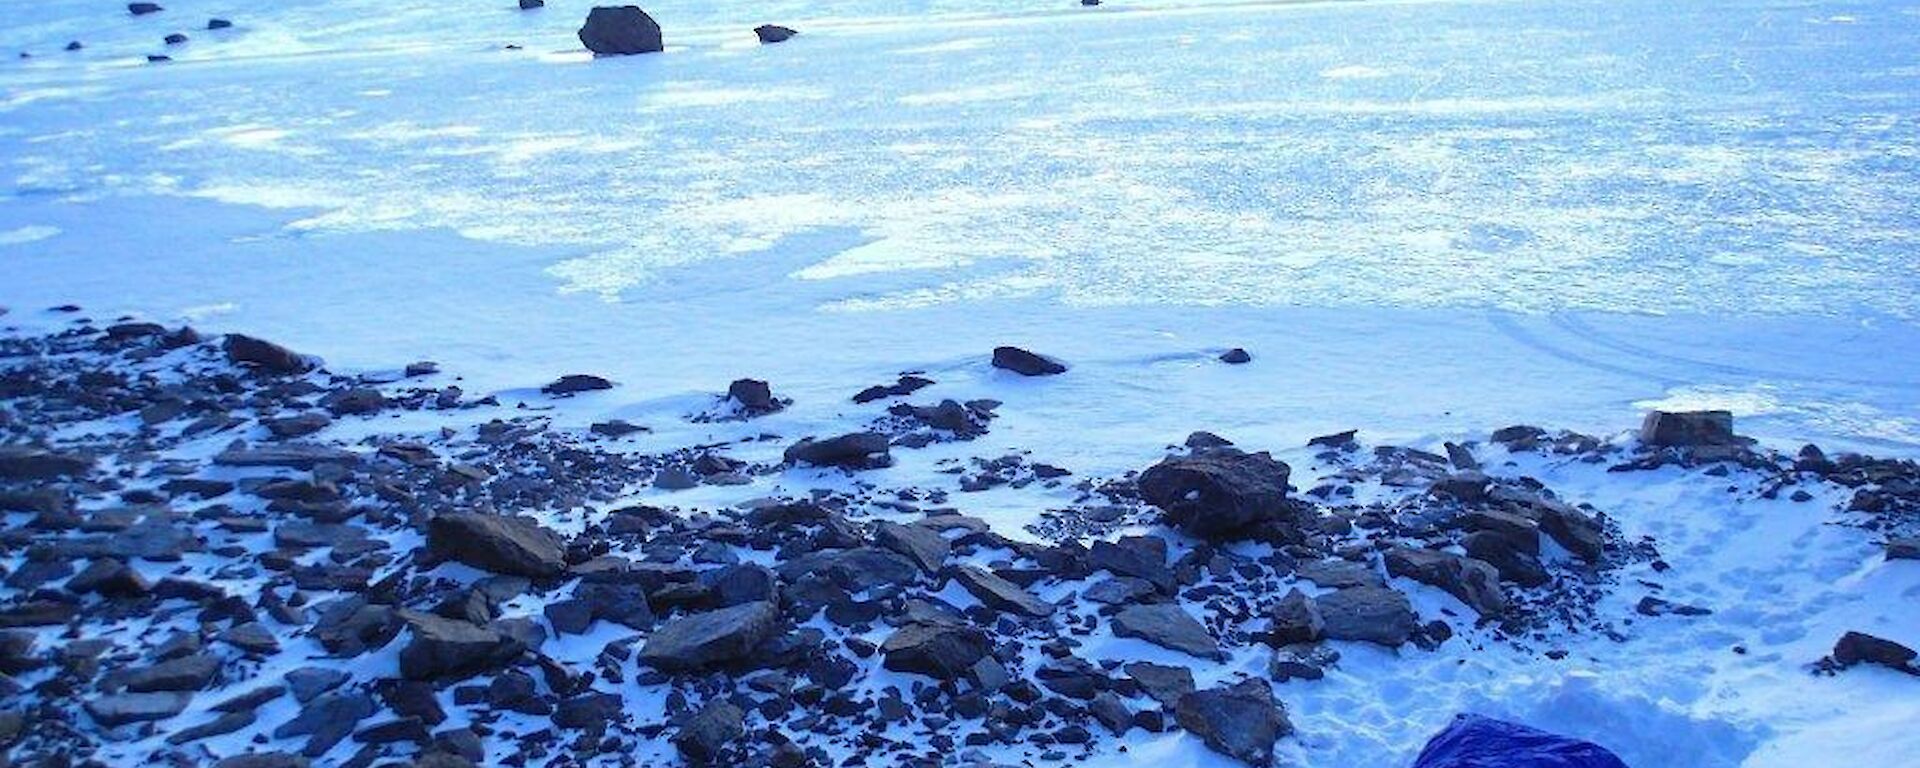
(773, 33)
(573, 384)
(701, 640)
(21, 462)
(1367, 613)
(1169, 626)
(924, 546)
(119, 709)
(289, 455)
(1001, 595)
(515, 546)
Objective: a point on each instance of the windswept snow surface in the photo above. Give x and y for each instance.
(1425, 219)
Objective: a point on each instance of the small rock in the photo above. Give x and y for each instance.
(142, 9)
(1236, 356)
(573, 384)
(773, 33)
(1168, 626)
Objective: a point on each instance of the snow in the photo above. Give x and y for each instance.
(1424, 219)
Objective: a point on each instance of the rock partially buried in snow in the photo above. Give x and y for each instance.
(1241, 721)
(621, 31)
(1472, 581)
(1688, 428)
(516, 546)
(1026, 363)
(142, 9)
(528, 5)
(576, 383)
(773, 33)
(860, 450)
(265, 355)
(1860, 647)
(1169, 626)
(703, 640)
(753, 396)
(1236, 356)
(219, 24)
(1221, 493)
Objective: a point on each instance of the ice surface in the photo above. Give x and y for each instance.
(1425, 219)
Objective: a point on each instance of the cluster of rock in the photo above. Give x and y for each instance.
(446, 574)
(626, 30)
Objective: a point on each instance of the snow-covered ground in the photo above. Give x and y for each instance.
(1424, 219)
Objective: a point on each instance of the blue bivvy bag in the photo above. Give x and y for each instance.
(1473, 741)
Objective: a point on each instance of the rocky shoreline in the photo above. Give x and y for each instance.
(213, 553)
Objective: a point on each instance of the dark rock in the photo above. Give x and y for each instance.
(1112, 712)
(1474, 582)
(1026, 363)
(1169, 626)
(219, 24)
(702, 640)
(119, 709)
(110, 578)
(1903, 549)
(290, 455)
(1688, 428)
(573, 384)
(707, 732)
(1370, 613)
(1236, 356)
(265, 356)
(753, 396)
(22, 462)
(1336, 440)
(298, 425)
(307, 683)
(1296, 619)
(860, 450)
(773, 33)
(1857, 647)
(1574, 531)
(856, 569)
(190, 673)
(528, 5)
(355, 401)
(224, 723)
(1512, 564)
(444, 648)
(1221, 493)
(1301, 661)
(620, 31)
(175, 39)
(1241, 721)
(999, 594)
(590, 711)
(142, 9)
(515, 546)
(264, 760)
(924, 546)
(940, 651)
(327, 721)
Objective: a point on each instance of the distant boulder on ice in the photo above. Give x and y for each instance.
(1026, 363)
(1688, 428)
(621, 31)
(142, 9)
(773, 33)
(528, 5)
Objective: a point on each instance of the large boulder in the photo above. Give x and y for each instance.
(1473, 581)
(940, 651)
(708, 731)
(1241, 721)
(444, 648)
(1472, 741)
(1169, 626)
(120, 709)
(1221, 493)
(860, 450)
(1369, 613)
(515, 546)
(702, 640)
(1860, 647)
(621, 31)
(1688, 428)
(1026, 363)
(265, 356)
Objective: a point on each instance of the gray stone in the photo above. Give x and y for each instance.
(1473, 582)
(1373, 614)
(1241, 721)
(621, 31)
(515, 546)
(999, 594)
(1169, 626)
(1222, 493)
(703, 640)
